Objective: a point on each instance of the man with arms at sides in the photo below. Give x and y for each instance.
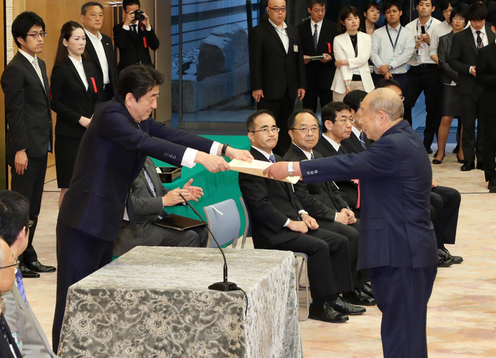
(8, 264)
(99, 48)
(149, 198)
(277, 69)
(134, 37)
(486, 76)
(112, 153)
(392, 46)
(397, 242)
(358, 141)
(337, 120)
(317, 36)
(323, 200)
(14, 229)
(462, 59)
(424, 74)
(279, 222)
(29, 121)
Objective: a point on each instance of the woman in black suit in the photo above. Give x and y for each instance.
(74, 96)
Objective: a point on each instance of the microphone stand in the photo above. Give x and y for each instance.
(225, 285)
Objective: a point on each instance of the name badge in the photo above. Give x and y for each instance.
(356, 71)
(295, 48)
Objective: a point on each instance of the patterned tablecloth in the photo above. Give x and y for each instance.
(155, 302)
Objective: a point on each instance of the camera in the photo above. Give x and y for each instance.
(138, 15)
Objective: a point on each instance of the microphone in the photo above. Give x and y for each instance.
(218, 286)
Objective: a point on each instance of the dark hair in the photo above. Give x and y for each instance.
(127, 3)
(311, 3)
(370, 4)
(137, 79)
(84, 8)
(23, 23)
(354, 99)
(250, 121)
(417, 2)
(485, 2)
(387, 83)
(445, 4)
(292, 117)
(329, 111)
(459, 10)
(65, 34)
(388, 4)
(476, 11)
(343, 15)
(14, 215)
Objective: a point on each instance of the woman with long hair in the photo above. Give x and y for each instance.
(74, 91)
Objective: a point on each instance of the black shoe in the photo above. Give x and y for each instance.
(455, 259)
(429, 150)
(37, 266)
(344, 307)
(479, 165)
(492, 189)
(461, 161)
(491, 183)
(326, 313)
(368, 289)
(27, 273)
(443, 259)
(359, 297)
(467, 166)
(456, 149)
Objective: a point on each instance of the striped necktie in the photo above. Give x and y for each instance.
(272, 158)
(362, 140)
(314, 37)
(20, 285)
(479, 39)
(38, 70)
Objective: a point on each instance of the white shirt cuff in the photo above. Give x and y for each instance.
(214, 149)
(287, 223)
(189, 158)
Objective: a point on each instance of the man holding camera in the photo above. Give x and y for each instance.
(135, 36)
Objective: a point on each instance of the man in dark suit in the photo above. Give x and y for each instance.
(279, 222)
(99, 48)
(486, 77)
(111, 155)
(463, 58)
(358, 141)
(134, 37)
(317, 36)
(277, 69)
(397, 241)
(29, 120)
(149, 198)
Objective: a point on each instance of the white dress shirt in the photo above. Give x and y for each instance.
(422, 54)
(393, 49)
(334, 144)
(80, 70)
(319, 28)
(440, 30)
(96, 41)
(283, 35)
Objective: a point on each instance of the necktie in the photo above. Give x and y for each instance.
(20, 285)
(340, 150)
(133, 28)
(362, 141)
(38, 70)
(315, 39)
(479, 39)
(272, 158)
(312, 156)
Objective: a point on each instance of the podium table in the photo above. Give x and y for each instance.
(155, 302)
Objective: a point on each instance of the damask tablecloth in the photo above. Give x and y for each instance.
(155, 302)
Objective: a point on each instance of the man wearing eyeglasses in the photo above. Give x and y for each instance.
(29, 120)
(277, 69)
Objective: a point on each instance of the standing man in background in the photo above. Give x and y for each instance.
(99, 48)
(277, 69)
(29, 120)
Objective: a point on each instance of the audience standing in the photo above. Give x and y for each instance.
(371, 14)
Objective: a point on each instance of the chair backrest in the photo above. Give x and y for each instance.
(247, 231)
(224, 222)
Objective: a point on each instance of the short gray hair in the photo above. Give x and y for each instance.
(384, 100)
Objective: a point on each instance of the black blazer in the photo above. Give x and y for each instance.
(321, 200)
(112, 63)
(70, 99)
(463, 54)
(270, 204)
(448, 74)
(486, 76)
(27, 108)
(271, 69)
(134, 48)
(318, 73)
(353, 145)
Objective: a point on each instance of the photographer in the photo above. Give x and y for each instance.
(135, 36)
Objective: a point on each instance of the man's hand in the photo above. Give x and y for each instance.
(310, 222)
(279, 170)
(350, 215)
(173, 198)
(326, 58)
(434, 183)
(146, 21)
(194, 192)
(426, 38)
(383, 69)
(472, 71)
(233, 153)
(129, 18)
(21, 162)
(257, 94)
(212, 163)
(388, 75)
(306, 59)
(418, 42)
(301, 94)
(298, 226)
(84, 121)
(341, 218)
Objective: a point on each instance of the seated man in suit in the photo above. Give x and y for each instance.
(149, 197)
(14, 229)
(279, 222)
(337, 123)
(358, 141)
(323, 200)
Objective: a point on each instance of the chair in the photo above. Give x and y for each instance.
(298, 268)
(224, 222)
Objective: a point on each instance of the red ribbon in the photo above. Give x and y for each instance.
(94, 84)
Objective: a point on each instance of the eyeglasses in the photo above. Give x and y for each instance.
(267, 130)
(402, 98)
(15, 264)
(277, 9)
(344, 121)
(38, 34)
(319, 11)
(307, 129)
(459, 18)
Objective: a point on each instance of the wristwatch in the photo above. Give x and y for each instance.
(290, 169)
(224, 148)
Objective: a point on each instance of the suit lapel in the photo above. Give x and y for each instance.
(31, 69)
(470, 39)
(273, 32)
(76, 73)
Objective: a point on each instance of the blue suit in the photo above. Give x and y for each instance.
(397, 238)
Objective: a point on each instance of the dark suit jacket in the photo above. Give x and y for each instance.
(5, 351)
(463, 54)
(271, 69)
(318, 73)
(70, 99)
(134, 48)
(444, 49)
(111, 155)
(27, 108)
(321, 200)
(112, 62)
(353, 145)
(270, 203)
(486, 76)
(396, 179)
